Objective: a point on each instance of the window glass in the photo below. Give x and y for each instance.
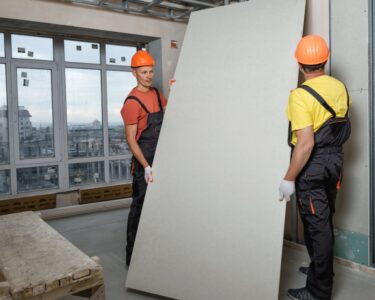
(84, 112)
(4, 131)
(4, 182)
(37, 178)
(35, 122)
(82, 52)
(32, 47)
(86, 173)
(2, 52)
(119, 55)
(120, 170)
(119, 84)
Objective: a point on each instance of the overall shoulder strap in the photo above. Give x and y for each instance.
(347, 103)
(137, 100)
(319, 98)
(159, 99)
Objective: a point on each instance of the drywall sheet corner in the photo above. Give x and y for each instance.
(212, 225)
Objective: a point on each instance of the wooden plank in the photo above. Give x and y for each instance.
(212, 225)
(5, 291)
(73, 288)
(35, 259)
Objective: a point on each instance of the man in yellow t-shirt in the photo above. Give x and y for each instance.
(319, 126)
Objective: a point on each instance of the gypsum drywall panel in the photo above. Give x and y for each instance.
(212, 225)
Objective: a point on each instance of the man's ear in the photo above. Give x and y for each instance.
(300, 68)
(134, 73)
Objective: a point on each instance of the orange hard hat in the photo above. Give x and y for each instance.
(312, 50)
(142, 58)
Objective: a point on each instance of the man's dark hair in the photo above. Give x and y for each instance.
(313, 68)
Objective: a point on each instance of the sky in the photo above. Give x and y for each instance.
(36, 97)
(1, 44)
(42, 48)
(119, 86)
(3, 99)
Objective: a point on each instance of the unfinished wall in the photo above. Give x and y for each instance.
(317, 18)
(100, 19)
(349, 63)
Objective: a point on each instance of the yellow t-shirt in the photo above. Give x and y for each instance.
(304, 110)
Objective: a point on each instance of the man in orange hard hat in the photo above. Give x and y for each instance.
(319, 126)
(142, 114)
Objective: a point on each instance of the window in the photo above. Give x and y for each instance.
(35, 130)
(119, 84)
(37, 178)
(4, 182)
(120, 170)
(86, 173)
(32, 47)
(63, 128)
(84, 113)
(82, 52)
(2, 52)
(119, 55)
(4, 131)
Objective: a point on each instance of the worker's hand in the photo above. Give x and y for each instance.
(286, 189)
(148, 174)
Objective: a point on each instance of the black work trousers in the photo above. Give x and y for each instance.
(316, 188)
(139, 191)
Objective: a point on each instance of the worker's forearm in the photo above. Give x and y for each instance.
(137, 152)
(301, 155)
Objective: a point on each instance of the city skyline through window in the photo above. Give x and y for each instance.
(60, 121)
(4, 126)
(84, 112)
(4, 182)
(35, 122)
(119, 84)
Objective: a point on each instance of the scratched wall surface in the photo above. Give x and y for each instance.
(350, 63)
(212, 225)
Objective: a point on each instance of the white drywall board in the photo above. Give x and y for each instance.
(212, 225)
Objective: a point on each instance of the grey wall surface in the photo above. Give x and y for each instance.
(101, 19)
(349, 62)
(212, 225)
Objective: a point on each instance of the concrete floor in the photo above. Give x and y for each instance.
(103, 234)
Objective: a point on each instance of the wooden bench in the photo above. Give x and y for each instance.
(37, 263)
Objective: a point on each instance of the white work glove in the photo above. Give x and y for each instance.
(286, 189)
(148, 174)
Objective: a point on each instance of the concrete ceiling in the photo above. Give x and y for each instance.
(175, 10)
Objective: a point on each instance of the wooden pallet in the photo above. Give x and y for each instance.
(36, 262)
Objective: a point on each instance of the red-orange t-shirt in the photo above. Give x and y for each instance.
(133, 113)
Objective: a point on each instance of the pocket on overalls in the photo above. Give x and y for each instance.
(306, 203)
(312, 176)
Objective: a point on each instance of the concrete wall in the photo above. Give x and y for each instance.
(349, 63)
(101, 19)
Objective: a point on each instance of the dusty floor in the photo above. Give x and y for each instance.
(103, 234)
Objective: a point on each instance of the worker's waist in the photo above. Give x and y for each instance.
(327, 150)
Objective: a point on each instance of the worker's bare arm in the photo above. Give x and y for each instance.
(301, 153)
(131, 132)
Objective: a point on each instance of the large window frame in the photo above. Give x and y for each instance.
(372, 129)
(55, 110)
(59, 104)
